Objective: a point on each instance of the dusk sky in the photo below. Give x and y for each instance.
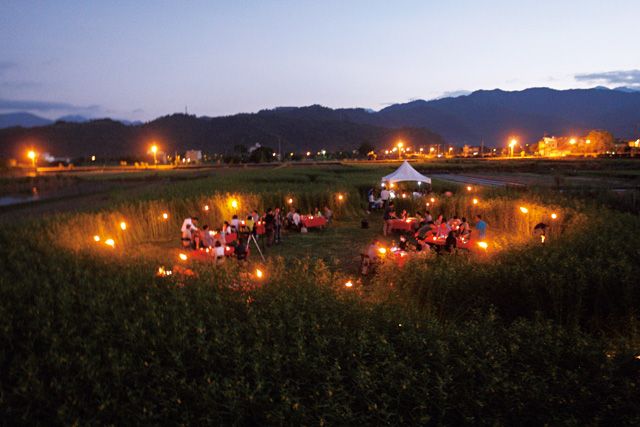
(139, 59)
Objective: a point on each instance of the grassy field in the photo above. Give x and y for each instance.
(526, 333)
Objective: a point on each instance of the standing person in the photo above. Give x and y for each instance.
(249, 223)
(235, 222)
(389, 216)
(270, 226)
(296, 219)
(328, 214)
(371, 198)
(385, 195)
(481, 227)
(254, 214)
(277, 215)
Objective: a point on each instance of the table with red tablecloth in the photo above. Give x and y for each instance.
(470, 245)
(311, 221)
(230, 237)
(408, 224)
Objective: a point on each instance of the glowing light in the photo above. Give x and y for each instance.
(110, 242)
(433, 200)
(382, 250)
(259, 273)
(588, 141)
(554, 216)
(542, 238)
(572, 141)
(513, 143)
(206, 207)
(524, 210)
(123, 225)
(469, 188)
(340, 197)
(93, 158)
(31, 154)
(165, 215)
(308, 153)
(290, 201)
(400, 144)
(349, 284)
(183, 257)
(154, 148)
(475, 201)
(483, 245)
(234, 204)
(432, 149)
(96, 238)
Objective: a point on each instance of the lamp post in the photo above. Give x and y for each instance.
(512, 145)
(400, 144)
(154, 150)
(32, 155)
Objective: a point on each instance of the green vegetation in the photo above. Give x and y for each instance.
(522, 334)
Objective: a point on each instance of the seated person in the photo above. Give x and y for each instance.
(404, 215)
(404, 244)
(316, 212)
(241, 250)
(464, 230)
(206, 238)
(425, 231)
(186, 236)
(219, 251)
(443, 229)
(451, 242)
(226, 228)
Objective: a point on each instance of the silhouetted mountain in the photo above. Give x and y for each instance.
(299, 131)
(25, 120)
(494, 115)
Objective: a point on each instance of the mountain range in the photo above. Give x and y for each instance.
(489, 116)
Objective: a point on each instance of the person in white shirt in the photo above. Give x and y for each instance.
(235, 222)
(296, 218)
(193, 222)
(384, 196)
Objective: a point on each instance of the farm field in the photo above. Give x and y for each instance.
(522, 333)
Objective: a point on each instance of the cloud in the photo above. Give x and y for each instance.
(47, 106)
(455, 93)
(620, 77)
(19, 85)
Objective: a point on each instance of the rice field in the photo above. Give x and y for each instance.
(526, 333)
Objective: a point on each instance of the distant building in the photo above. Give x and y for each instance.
(193, 156)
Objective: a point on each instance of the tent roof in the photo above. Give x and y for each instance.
(406, 172)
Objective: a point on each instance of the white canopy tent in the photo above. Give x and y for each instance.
(405, 172)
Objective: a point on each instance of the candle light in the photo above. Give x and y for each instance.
(96, 238)
(554, 216)
(483, 245)
(524, 210)
(349, 284)
(259, 273)
(123, 225)
(183, 257)
(110, 242)
(165, 215)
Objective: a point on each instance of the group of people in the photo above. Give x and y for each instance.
(271, 224)
(293, 220)
(382, 199)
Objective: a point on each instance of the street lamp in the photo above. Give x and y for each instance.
(512, 145)
(400, 144)
(32, 155)
(154, 150)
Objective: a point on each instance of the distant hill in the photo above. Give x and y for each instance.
(494, 115)
(297, 132)
(491, 116)
(22, 119)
